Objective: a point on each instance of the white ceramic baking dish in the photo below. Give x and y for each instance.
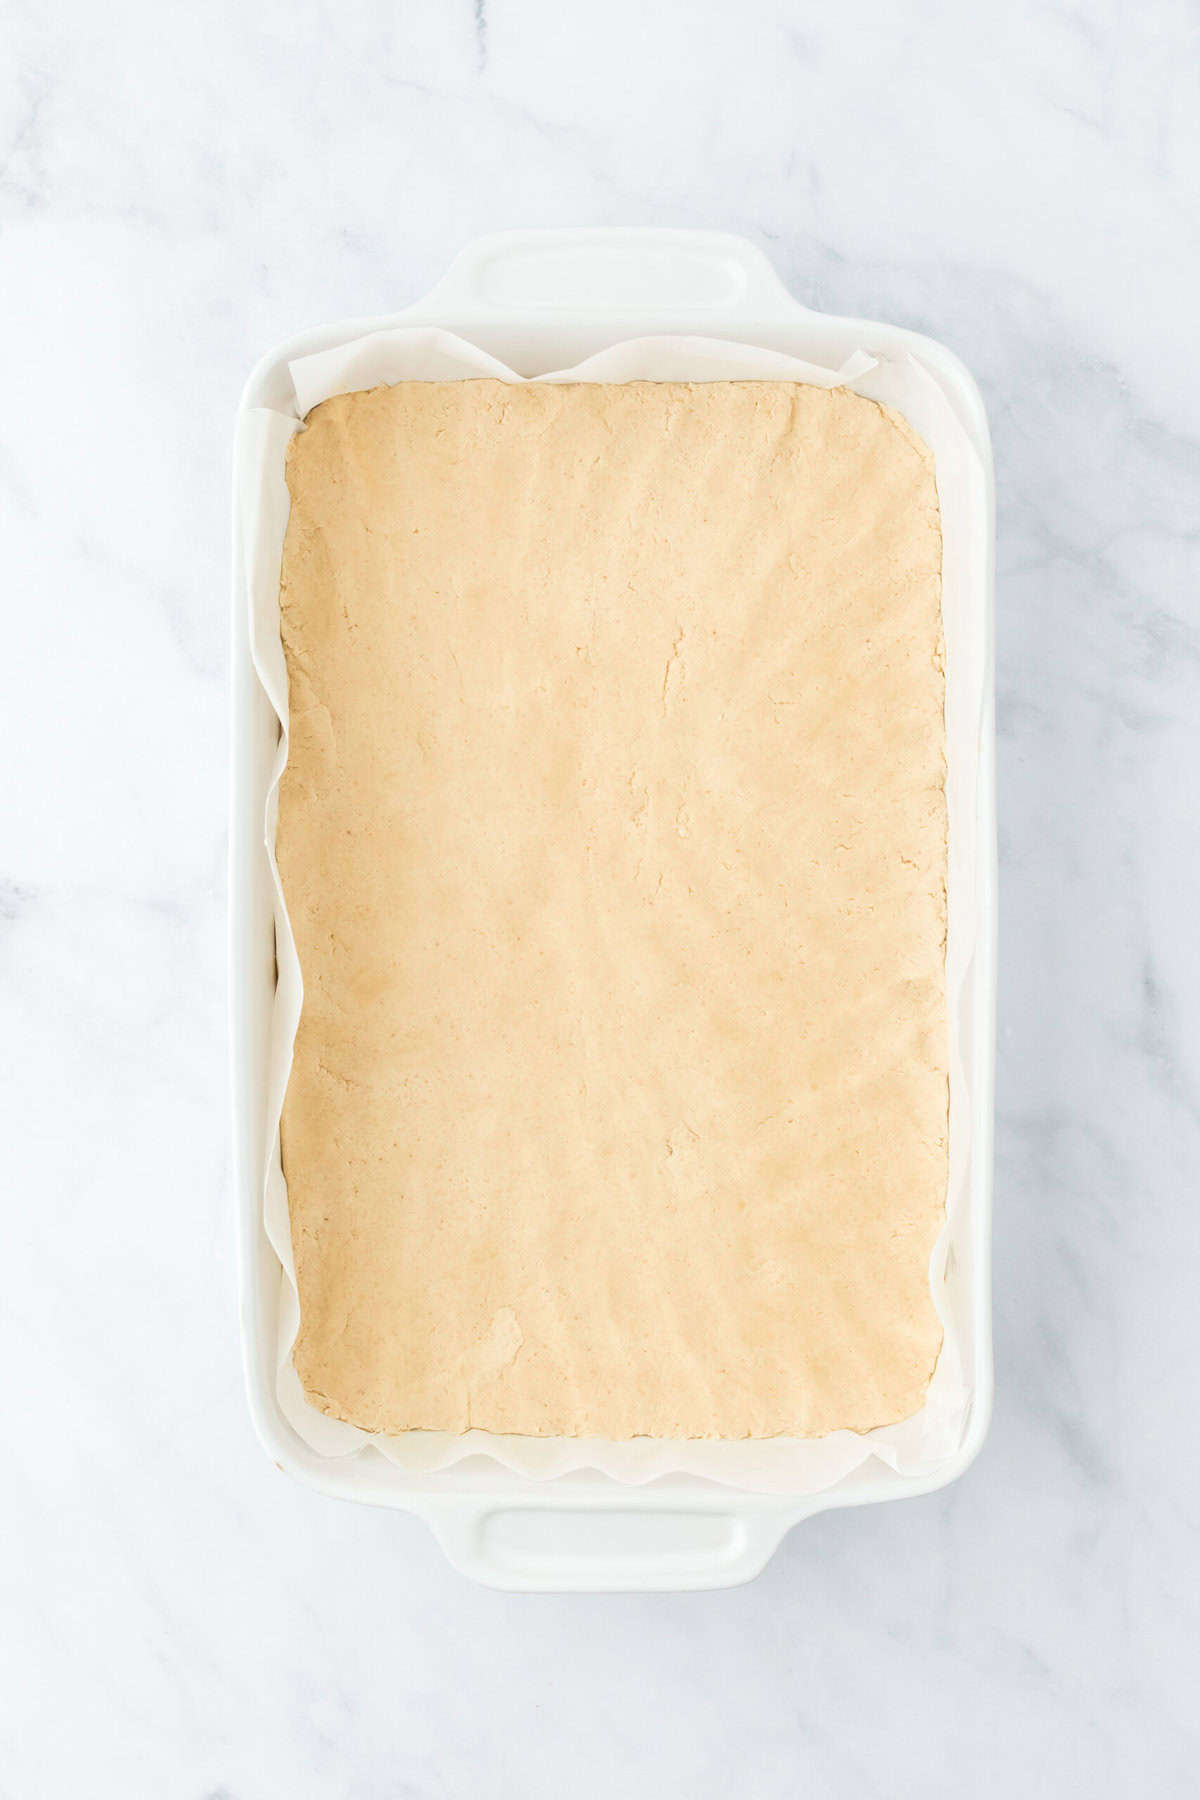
(540, 301)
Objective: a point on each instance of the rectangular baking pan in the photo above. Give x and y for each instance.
(540, 301)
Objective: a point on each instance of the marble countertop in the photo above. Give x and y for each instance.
(181, 189)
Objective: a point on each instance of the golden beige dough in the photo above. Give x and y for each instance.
(613, 836)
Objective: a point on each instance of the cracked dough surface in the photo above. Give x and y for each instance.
(613, 837)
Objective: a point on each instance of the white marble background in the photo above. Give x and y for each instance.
(180, 187)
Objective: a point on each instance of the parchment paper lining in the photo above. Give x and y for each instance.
(917, 1446)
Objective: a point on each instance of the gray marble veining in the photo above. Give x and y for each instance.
(180, 190)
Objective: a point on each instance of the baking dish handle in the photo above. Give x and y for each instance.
(592, 1548)
(614, 271)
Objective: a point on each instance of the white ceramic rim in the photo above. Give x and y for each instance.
(512, 293)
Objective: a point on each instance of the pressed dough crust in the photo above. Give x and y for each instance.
(613, 837)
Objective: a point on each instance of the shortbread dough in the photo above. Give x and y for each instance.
(613, 838)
